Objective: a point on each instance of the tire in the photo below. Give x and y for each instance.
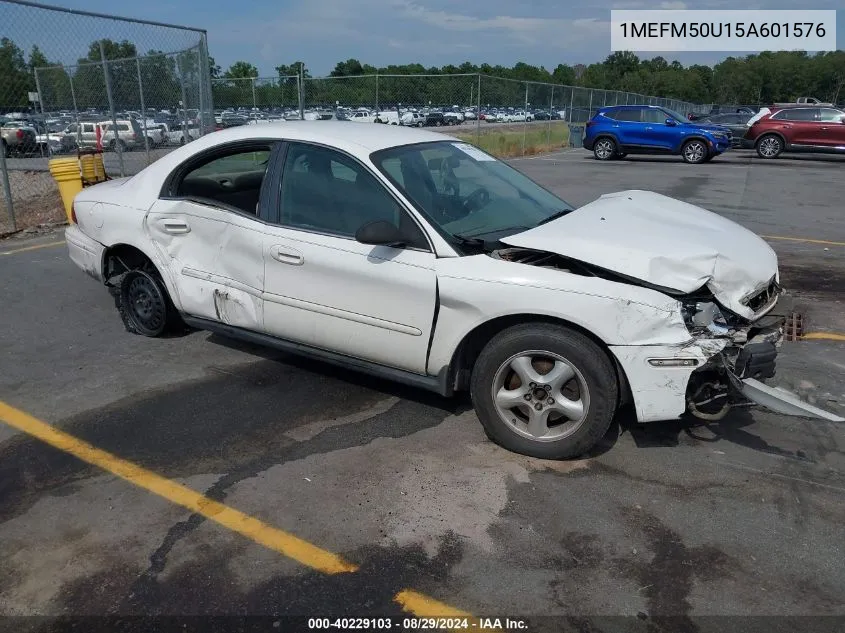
(7, 150)
(144, 306)
(769, 146)
(694, 152)
(118, 146)
(582, 369)
(604, 148)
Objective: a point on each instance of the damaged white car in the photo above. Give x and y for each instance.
(416, 257)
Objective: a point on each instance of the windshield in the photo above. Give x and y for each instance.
(467, 193)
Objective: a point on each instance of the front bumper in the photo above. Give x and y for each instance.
(664, 379)
(85, 252)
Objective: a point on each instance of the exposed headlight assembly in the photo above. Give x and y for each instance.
(705, 315)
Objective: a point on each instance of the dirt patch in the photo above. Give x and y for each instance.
(35, 200)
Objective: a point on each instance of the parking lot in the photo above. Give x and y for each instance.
(399, 491)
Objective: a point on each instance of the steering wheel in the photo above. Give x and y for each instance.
(477, 199)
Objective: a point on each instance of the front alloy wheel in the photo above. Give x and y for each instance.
(544, 390)
(541, 395)
(694, 152)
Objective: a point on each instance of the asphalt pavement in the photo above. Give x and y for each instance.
(666, 525)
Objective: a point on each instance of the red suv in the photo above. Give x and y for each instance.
(792, 129)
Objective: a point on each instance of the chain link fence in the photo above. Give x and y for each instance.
(75, 79)
(137, 89)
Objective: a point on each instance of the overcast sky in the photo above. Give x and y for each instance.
(432, 32)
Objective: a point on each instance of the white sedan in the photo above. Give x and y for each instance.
(416, 257)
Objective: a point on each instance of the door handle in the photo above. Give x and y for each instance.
(176, 226)
(648, 127)
(286, 255)
(824, 127)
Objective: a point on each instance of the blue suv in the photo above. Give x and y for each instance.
(617, 131)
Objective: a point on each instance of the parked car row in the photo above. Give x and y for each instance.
(615, 132)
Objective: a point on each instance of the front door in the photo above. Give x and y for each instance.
(831, 128)
(208, 230)
(325, 289)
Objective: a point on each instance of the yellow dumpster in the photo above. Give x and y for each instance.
(65, 172)
(92, 168)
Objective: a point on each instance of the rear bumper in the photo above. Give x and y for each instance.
(85, 252)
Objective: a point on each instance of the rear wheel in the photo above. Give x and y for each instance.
(144, 305)
(544, 390)
(769, 146)
(694, 152)
(604, 148)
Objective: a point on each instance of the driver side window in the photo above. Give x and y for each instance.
(328, 192)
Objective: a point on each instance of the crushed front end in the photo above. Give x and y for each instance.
(749, 349)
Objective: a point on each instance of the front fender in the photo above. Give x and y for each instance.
(614, 313)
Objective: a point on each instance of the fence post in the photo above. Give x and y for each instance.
(301, 81)
(571, 102)
(143, 109)
(118, 145)
(589, 107)
(478, 113)
(7, 189)
(73, 98)
(184, 99)
(41, 105)
(551, 107)
(254, 104)
(525, 119)
(377, 108)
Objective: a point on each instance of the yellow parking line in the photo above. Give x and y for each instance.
(250, 527)
(822, 336)
(801, 239)
(32, 248)
(282, 542)
(424, 607)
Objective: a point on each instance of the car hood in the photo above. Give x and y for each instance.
(663, 242)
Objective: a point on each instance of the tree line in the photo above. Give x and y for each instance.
(754, 79)
(164, 78)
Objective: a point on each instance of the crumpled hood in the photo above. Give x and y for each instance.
(663, 242)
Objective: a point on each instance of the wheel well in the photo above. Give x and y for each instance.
(772, 133)
(470, 347)
(606, 135)
(122, 258)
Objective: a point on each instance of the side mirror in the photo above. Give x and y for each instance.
(670, 121)
(380, 233)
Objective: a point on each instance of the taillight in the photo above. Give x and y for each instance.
(73, 214)
(19, 134)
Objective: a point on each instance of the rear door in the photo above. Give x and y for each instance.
(625, 124)
(207, 226)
